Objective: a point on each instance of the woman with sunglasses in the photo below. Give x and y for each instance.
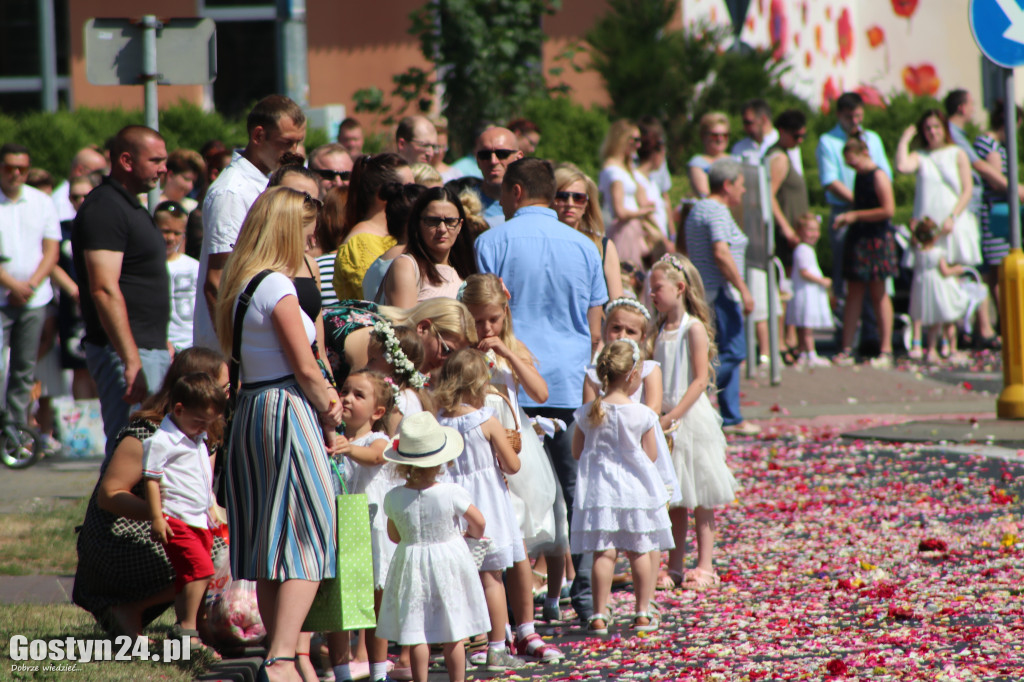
(365, 234)
(577, 205)
(623, 201)
(714, 136)
(438, 255)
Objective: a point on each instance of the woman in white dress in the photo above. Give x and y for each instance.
(623, 201)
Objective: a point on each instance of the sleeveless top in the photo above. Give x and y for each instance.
(865, 196)
(793, 201)
(308, 293)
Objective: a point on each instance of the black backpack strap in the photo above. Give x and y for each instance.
(236, 330)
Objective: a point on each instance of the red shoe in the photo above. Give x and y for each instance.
(536, 648)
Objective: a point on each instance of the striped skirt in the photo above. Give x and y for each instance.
(281, 510)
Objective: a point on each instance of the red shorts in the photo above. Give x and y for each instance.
(189, 552)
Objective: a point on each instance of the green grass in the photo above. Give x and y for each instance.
(66, 620)
(41, 541)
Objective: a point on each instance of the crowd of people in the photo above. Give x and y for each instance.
(359, 309)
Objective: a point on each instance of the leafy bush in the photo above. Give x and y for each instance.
(569, 132)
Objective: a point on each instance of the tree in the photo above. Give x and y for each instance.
(487, 54)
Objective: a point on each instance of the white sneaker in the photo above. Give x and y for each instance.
(500, 660)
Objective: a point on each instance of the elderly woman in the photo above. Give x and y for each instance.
(577, 205)
(714, 138)
(123, 576)
(717, 248)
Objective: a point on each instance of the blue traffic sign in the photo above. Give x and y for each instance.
(998, 28)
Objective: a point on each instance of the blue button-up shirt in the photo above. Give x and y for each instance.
(832, 166)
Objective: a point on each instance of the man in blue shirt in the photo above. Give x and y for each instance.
(555, 276)
(837, 180)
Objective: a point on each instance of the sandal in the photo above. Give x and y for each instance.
(699, 579)
(651, 625)
(601, 631)
(844, 358)
(665, 581)
(195, 644)
(261, 675)
(789, 355)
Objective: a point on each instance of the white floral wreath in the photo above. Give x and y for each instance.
(629, 303)
(395, 356)
(634, 346)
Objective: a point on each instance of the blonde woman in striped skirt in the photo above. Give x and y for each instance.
(280, 493)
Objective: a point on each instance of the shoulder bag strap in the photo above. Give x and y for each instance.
(236, 330)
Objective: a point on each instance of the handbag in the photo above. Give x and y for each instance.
(345, 602)
(220, 489)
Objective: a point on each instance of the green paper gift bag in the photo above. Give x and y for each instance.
(345, 602)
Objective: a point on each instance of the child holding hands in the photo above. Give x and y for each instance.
(179, 489)
(936, 299)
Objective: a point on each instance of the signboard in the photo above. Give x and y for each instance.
(186, 52)
(998, 28)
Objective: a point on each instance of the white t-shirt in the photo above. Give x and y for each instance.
(224, 209)
(184, 277)
(24, 223)
(263, 359)
(61, 198)
(182, 466)
(611, 174)
(660, 215)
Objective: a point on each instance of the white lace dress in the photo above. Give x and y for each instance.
(433, 592)
(476, 470)
(375, 482)
(664, 462)
(935, 299)
(698, 450)
(536, 495)
(620, 497)
(810, 307)
(938, 189)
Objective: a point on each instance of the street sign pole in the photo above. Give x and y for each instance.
(150, 24)
(998, 29)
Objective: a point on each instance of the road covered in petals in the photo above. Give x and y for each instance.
(840, 559)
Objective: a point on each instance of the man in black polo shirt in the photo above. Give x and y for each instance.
(121, 260)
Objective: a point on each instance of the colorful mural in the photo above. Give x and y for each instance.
(876, 48)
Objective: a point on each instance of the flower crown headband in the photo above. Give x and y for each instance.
(677, 264)
(395, 356)
(634, 346)
(628, 303)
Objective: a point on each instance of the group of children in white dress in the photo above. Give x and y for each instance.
(457, 476)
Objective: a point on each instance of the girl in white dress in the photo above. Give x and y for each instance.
(809, 309)
(536, 495)
(620, 495)
(685, 347)
(461, 393)
(367, 401)
(432, 594)
(627, 318)
(936, 299)
(397, 352)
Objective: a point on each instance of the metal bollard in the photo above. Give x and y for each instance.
(1010, 404)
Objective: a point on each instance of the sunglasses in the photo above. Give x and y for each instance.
(76, 197)
(502, 154)
(332, 174)
(436, 221)
(311, 200)
(171, 207)
(572, 197)
(719, 136)
(446, 350)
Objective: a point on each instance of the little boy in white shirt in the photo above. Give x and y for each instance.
(179, 489)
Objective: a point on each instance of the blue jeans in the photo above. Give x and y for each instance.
(560, 450)
(732, 350)
(107, 370)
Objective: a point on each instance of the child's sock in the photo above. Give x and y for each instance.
(497, 646)
(550, 602)
(378, 671)
(525, 630)
(342, 673)
(508, 632)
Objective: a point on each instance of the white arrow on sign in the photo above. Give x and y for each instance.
(1015, 14)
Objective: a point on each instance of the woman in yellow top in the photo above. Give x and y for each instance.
(365, 235)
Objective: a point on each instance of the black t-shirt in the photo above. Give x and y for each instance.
(112, 219)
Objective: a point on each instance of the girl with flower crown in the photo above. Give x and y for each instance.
(397, 352)
(685, 347)
(620, 495)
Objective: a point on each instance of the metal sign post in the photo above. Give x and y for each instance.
(998, 28)
(130, 52)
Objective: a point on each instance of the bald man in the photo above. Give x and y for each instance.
(416, 139)
(496, 149)
(87, 160)
(121, 260)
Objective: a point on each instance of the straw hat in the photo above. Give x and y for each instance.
(422, 442)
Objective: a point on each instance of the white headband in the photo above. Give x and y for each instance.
(629, 303)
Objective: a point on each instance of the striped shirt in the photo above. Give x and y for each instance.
(709, 222)
(327, 293)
